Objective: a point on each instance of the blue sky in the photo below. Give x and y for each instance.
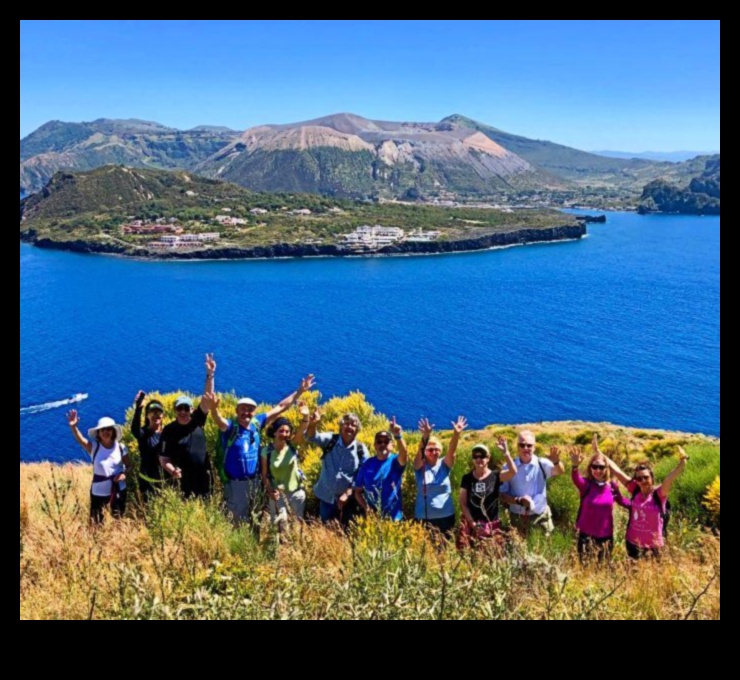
(622, 85)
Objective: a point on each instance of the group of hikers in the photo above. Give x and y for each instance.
(258, 457)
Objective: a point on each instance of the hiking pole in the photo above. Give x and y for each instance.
(424, 444)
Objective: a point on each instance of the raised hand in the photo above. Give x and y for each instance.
(73, 418)
(461, 425)
(316, 416)
(211, 364)
(682, 454)
(503, 446)
(576, 456)
(209, 401)
(595, 445)
(139, 400)
(308, 383)
(396, 429)
(304, 410)
(426, 428)
(554, 455)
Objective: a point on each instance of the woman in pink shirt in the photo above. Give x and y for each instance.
(648, 508)
(595, 521)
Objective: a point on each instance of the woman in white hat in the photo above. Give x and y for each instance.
(110, 458)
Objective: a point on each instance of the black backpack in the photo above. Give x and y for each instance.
(360, 450)
(665, 510)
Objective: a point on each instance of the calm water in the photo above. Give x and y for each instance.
(622, 326)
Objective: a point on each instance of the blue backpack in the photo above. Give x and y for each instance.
(227, 439)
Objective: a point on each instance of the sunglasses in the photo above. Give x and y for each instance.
(598, 467)
(480, 457)
(109, 430)
(525, 446)
(643, 479)
(183, 409)
(382, 441)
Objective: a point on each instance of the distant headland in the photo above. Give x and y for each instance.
(163, 215)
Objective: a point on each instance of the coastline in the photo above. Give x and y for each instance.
(285, 251)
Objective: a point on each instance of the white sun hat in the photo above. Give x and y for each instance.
(104, 423)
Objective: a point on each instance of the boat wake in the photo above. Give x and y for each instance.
(49, 405)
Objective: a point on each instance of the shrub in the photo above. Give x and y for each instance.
(687, 495)
(711, 501)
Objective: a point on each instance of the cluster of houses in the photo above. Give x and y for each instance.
(170, 234)
(366, 238)
(371, 238)
(172, 241)
(139, 227)
(229, 221)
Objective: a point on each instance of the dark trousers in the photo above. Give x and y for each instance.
(116, 503)
(590, 548)
(330, 512)
(196, 483)
(445, 526)
(635, 552)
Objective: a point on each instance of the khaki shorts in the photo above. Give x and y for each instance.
(526, 523)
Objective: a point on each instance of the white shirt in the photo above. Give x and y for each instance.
(107, 463)
(530, 481)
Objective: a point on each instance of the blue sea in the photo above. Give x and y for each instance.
(623, 326)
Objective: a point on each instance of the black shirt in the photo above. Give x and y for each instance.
(483, 496)
(185, 446)
(150, 446)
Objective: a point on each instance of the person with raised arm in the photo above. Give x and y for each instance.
(104, 444)
(526, 493)
(434, 505)
(480, 494)
(649, 507)
(282, 476)
(378, 487)
(184, 455)
(149, 437)
(238, 462)
(599, 494)
(342, 456)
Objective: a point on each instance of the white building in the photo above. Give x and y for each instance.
(183, 241)
(195, 238)
(373, 238)
(421, 236)
(229, 221)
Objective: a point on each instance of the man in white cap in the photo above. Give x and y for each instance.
(238, 456)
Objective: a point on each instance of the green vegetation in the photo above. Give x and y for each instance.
(701, 196)
(562, 161)
(92, 207)
(179, 560)
(59, 146)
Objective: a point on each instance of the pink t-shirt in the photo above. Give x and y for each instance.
(646, 519)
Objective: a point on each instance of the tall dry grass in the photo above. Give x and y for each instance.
(185, 561)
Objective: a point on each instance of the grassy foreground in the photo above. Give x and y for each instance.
(185, 561)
